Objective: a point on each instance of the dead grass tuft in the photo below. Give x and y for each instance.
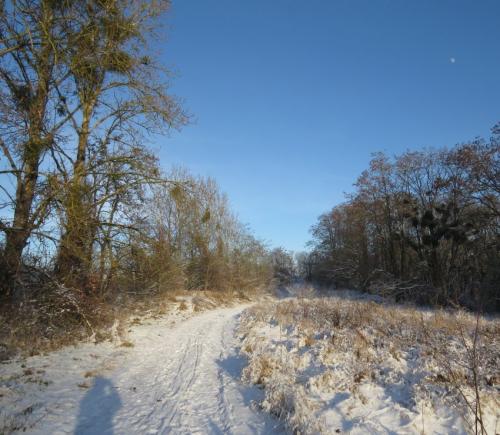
(127, 344)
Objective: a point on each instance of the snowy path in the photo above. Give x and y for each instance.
(181, 379)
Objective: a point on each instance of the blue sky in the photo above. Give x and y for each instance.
(291, 97)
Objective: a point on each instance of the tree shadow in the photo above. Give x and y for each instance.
(98, 408)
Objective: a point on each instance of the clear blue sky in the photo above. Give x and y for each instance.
(291, 97)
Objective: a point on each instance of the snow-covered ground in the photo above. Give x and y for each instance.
(348, 365)
(304, 364)
(174, 374)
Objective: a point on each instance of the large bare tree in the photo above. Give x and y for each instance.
(121, 94)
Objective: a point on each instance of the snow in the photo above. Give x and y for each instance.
(304, 365)
(181, 376)
(371, 370)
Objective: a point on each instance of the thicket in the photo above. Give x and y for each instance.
(422, 226)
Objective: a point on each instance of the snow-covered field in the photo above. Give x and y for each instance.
(178, 373)
(338, 365)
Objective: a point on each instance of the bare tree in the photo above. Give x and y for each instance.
(32, 43)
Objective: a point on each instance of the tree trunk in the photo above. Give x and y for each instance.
(17, 235)
(75, 252)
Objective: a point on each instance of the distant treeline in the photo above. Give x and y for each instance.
(422, 226)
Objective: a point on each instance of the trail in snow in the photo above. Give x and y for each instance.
(181, 379)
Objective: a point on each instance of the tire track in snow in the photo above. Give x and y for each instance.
(185, 388)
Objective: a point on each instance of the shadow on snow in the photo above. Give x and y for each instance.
(98, 408)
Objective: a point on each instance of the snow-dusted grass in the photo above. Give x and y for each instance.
(334, 365)
(48, 322)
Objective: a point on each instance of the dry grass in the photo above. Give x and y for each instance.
(363, 336)
(53, 317)
(127, 343)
